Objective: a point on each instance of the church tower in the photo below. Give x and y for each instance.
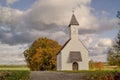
(73, 55)
(73, 28)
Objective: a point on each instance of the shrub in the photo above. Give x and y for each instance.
(102, 75)
(14, 75)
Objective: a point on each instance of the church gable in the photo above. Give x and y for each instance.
(74, 46)
(69, 43)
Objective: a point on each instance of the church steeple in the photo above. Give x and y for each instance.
(73, 25)
(73, 21)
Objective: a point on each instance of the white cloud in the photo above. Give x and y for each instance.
(12, 54)
(60, 36)
(10, 17)
(104, 13)
(105, 42)
(99, 46)
(101, 58)
(50, 18)
(87, 39)
(60, 13)
(9, 2)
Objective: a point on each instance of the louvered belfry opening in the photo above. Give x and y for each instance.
(75, 56)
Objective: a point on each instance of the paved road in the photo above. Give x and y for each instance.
(48, 75)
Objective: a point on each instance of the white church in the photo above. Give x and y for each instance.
(73, 55)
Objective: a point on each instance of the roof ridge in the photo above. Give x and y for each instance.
(63, 46)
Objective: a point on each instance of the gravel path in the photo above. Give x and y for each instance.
(50, 75)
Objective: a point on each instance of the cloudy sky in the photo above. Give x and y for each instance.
(23, 21)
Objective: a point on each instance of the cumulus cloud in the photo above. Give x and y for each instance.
(9, 19)
(50, 18)
(9, 2)
(99, 46)
(11, 54)
(105, 42)
(99, 58)
(16, 26)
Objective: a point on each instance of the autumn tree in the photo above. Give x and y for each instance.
(41, 55)
(96, 65)
(99, 65)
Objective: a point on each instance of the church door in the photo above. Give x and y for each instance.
(75, 66)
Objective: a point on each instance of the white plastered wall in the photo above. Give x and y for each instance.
(74, 45)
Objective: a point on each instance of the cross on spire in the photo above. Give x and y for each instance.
(73, 11)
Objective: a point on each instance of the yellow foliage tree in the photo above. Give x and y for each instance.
(42, 54)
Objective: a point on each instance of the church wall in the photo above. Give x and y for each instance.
(59, 61)
(74, 45)
(84, 53)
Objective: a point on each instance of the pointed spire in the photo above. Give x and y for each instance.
(73, 20)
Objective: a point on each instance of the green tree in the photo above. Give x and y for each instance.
(91, 64)
(41, 55)
(114, 54)
(111, 57)
(118, 14)
(117, 49)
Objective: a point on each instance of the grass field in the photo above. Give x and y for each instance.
(13, 67)
(22, 68)
(23, 72)
(111, 68)
(14, 73)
